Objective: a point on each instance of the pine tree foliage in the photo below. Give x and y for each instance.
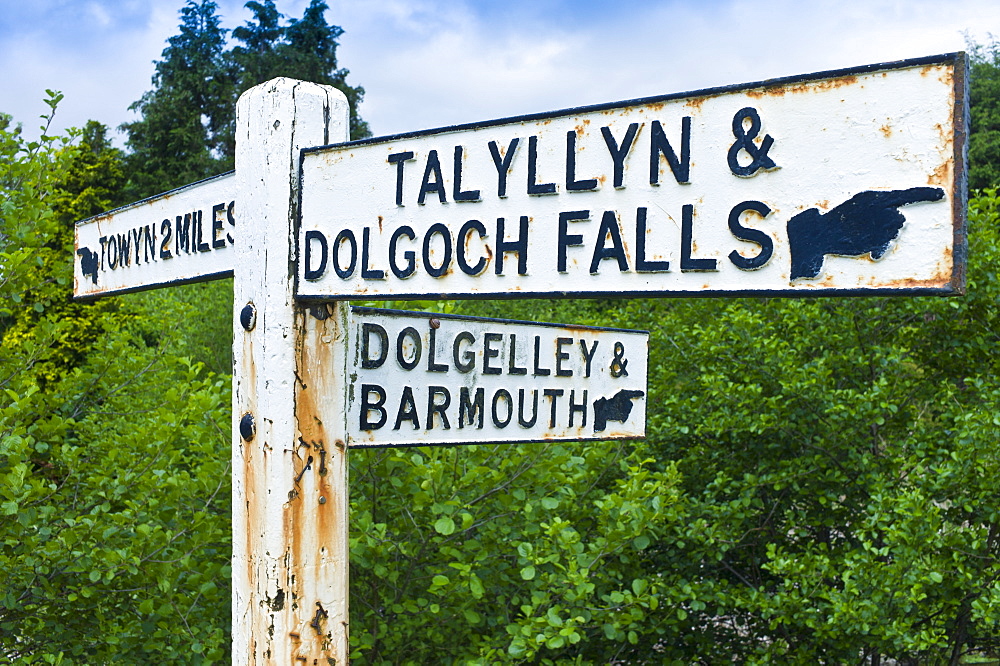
(184, 125)
(187, 127)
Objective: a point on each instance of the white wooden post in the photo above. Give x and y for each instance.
(290, 562)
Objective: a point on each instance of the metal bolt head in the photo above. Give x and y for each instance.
(322, 500)
(247, 427)
(435, 323)
(248, 316)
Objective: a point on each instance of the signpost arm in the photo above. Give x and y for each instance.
(290, 565)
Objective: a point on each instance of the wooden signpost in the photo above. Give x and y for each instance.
(840, 183)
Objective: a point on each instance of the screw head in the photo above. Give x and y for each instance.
(247, 427)
(435, 323)
(248, 316)
(322, 500)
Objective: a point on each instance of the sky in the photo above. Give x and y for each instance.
(433, 63)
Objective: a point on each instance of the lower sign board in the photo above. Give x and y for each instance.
(419, 379)
(185, 235)
(845, 182)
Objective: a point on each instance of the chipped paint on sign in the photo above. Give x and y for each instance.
(840, 183)
(418, 379)
(185, 235)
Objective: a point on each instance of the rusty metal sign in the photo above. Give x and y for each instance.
(418, 379)
(185, 235)
(846, 182)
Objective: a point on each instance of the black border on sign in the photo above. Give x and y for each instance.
(415, 314)
(959, 60)
(364, 309)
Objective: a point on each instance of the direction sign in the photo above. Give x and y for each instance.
(841, 182)
(418, 379)
(184, 235)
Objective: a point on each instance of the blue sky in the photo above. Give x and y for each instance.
(429, 63)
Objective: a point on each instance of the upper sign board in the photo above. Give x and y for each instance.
(834, 183)
(185, 235)
(418, 379)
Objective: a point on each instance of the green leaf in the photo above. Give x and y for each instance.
(444, 525)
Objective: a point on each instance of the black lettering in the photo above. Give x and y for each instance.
(366, 272)
(562, 356)
(183, 234)
(398, 159)
(136, 243)
(217, 226)
(112, 252)
(346, 235)
(462, 246)
(618, 154)
(503, 164)
(687, 225)
(368, 407)
(407, 410)
(167, 231)
(588, 357)
(457, 193)
(642, 265)
(467, 408)
(520, 409)
(572, 184)
(538, 370)
(512, 368)
(519, 246)
(489, 352)
(567, 239)
(437, 228)
(497, 421)
(103, 240)
(408, 332)
(751, 236)
(149, 249)
(231, 218)
(311, 273)
(367, 361)
(609, 227)
(533, 187)
(431, 351)
(428, 186)
(202, 245)
(659, 145)
(124, 249)
(574, 407)
(409, 255)
(553, 396)
(468, 357)
(437, 408)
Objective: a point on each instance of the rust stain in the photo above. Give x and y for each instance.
(695, 103)
(380, 221)
(805, 87)
(311, 514)
(941, 175)
(886, 130)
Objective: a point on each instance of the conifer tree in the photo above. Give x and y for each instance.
(188, 124)
(184, 134)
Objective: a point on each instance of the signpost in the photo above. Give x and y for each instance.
(439, 379)
(841, 183)
(834, 183)
(185, 235)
